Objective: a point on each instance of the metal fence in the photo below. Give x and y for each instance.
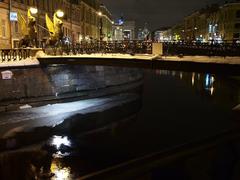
(7, 55)
(193, 49)
(124, 47)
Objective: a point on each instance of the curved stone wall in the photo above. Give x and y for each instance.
(64, 79)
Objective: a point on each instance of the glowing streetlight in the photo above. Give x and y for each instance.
(33, 10)
(59, 13)
(100, 13)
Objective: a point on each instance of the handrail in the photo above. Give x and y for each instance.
(17, 54)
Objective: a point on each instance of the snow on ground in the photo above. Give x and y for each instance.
(109, 56)
(204, 59)
(198, 59)
(32, 61)
(52, 115)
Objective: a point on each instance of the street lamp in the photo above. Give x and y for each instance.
(59, 13)
(33, 10)
(194, 33)
(101, 27)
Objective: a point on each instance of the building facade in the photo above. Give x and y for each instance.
(81, 20)
(125, 30)
(211, 24)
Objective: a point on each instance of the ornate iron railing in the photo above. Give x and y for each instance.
(193, 49)
(124, 47)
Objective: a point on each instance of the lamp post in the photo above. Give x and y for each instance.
(194, 33)
(10, 23)
(101, 26)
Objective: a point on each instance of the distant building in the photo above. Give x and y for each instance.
(129, 30)
(123, 30)
(161, 35)
(211, 24)
(144, 34)
(117, 32)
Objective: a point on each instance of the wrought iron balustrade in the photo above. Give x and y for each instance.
(193, 49)
(124, 47)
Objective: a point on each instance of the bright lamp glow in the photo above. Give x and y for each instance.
(100, 13)
(33, 10)
(60, 13)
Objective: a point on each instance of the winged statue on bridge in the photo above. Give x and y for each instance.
(28, 29)
(55, 30)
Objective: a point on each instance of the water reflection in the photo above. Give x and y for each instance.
(209, 83)
(60, 172)
(193, 79)
(171, 115)
(221, 88)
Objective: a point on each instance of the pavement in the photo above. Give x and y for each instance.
(32, 61)
(203, 59)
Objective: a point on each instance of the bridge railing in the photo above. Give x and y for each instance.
(7, 55)
(124, 47)
(193, 49)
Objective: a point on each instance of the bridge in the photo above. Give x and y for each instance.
(126, 47)
(175, 56)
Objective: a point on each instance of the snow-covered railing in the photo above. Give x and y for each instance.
(14, 54)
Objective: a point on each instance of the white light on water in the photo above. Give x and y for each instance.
(61, 173)
(60, 140)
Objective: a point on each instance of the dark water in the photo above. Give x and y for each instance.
(176, 108)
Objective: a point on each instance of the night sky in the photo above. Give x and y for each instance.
(157, 13)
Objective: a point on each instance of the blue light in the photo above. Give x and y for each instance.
(120, 22)
(207, 80)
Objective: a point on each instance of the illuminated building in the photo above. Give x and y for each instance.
(144, 34)
(81, 19)
(161, 35)
(211, 24)
(124, 30)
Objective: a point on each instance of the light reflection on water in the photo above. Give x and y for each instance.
(208, 81)
(61, 173)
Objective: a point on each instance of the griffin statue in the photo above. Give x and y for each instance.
(55, 30)
(28, 29)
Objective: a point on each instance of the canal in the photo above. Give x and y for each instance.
(160, 110)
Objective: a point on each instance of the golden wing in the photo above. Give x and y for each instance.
(30, 15)
(50, 25)
(23, 24)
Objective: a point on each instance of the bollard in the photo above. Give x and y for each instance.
(157, 49)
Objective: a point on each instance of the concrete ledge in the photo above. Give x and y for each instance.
(17, 133)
